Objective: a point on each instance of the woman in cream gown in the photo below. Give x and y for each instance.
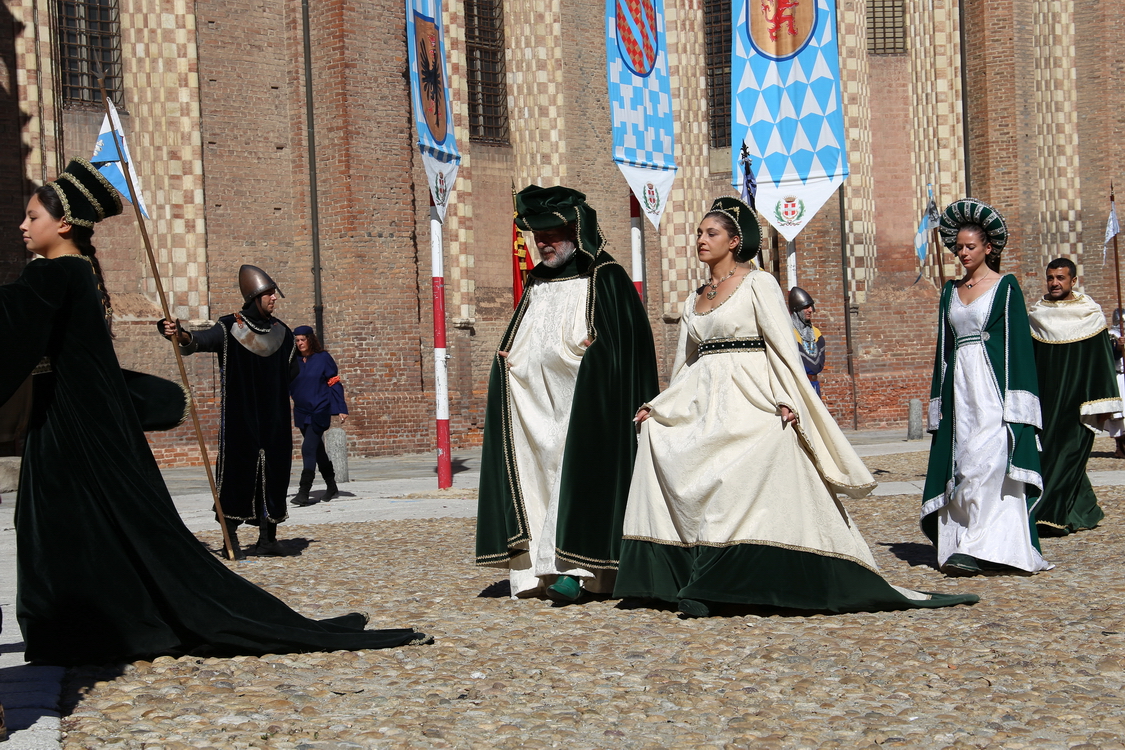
(733, 496)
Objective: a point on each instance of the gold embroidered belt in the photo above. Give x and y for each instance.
(716, 346)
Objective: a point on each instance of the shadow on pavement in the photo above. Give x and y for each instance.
(80, 680)
(913, 553)
(498, 590)
(459, 465)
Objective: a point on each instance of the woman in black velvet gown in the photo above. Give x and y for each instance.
(107, 571)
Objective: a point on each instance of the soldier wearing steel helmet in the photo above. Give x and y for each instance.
(810, 342)
(257, 361)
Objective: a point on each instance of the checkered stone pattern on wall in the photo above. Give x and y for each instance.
(934, 47)
(1056, 131)
(859, 203)
(162, 95)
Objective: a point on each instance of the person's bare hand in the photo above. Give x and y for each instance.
(642, 414)
(343, 418)
(170, 331)
(788, 416)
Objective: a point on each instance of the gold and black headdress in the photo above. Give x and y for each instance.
(86, 195)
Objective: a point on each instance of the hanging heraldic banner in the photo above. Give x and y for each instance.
(429, 94)
(785, 75)
(640, 99)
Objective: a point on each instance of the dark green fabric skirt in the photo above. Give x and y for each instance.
(761, 575)
(1069, 376)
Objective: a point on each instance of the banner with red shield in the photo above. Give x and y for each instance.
(787, 110)
(640, 100)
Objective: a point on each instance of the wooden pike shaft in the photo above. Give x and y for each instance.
(227, 542)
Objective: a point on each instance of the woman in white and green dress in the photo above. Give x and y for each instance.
(983, 479)
(734, 493)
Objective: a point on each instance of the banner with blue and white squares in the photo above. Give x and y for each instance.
(640, 100)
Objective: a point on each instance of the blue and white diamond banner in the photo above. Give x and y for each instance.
(785, 75)
(429, 94)
(640, 100)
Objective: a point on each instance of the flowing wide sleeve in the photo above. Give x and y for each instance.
(941, 361)
(28, 307)
(833, 455)
(687, 348)
(1021, 394)
(337, 404)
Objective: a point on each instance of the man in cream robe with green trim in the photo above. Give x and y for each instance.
(1078, 387)
(574, 365)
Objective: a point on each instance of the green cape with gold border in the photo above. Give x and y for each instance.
(1008, 347)
(618, 373)
(1074, 362)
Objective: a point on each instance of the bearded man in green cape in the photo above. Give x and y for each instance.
(1078, 395)
(575, 364)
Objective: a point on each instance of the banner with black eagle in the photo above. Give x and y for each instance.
(787, 110)
(640, 99)
(429, 93)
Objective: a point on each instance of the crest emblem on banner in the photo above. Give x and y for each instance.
(637, 35)
(789, 211)
(780, 29)
(650, 197)
(441, 189)
(430, 81)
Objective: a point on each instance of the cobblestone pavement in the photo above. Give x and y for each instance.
(1040, 662)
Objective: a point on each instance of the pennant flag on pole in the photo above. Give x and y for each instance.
(930, 219)
(921, 237)
(640, 100)
(749, 191)
(787, 110)
(429, 93)
(108, 160)
(1112, 228)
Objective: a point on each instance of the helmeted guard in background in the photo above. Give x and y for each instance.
(574, 365)
(810, 341)
(256, 364)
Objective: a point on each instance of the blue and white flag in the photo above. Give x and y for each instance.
(640, 100)
(1112, 228)
(429, 94)
(749, 191)
(108, 160)
(785, 76)
(930, 220)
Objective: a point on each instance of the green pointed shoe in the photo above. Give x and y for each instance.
(566, 589)
(961, 565)
(694, 608)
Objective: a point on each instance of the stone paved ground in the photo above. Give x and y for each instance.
(1040, 662)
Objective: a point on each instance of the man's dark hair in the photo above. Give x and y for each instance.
(1066, 263)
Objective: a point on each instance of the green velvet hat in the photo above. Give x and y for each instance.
(539, 208)
(749, 230)
(86, 194)
(966, 211)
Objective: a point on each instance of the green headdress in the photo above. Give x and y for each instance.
(540, 208)
(749, 230)
(967, 211)
(86, 194)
